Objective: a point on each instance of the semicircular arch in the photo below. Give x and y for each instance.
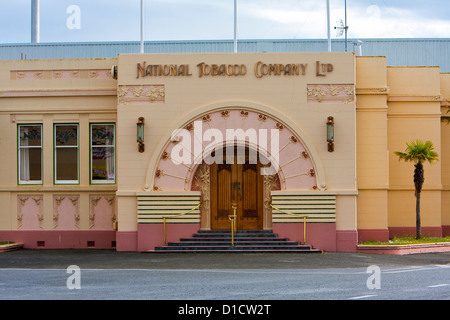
(299, 165)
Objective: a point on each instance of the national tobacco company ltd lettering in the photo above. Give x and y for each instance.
(260, 68)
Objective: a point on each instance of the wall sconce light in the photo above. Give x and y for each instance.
(330, 134)
(140, 134)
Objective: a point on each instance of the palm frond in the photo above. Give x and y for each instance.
(418, 151)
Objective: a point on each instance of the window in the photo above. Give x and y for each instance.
(30, 154)
(66, 153)
(103, 153)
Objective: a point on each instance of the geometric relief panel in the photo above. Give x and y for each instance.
(30, 212)
(102, 214)
(66, 215)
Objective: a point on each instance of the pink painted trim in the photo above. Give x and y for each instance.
(126, 241)
(445, 231)
(61, 239)
(150, 236)
(346, 240)
(373, 234)
(411, 232)
(406, 249)
(320, 235)
(57, 93)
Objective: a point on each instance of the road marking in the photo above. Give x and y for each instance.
(439, 285)
(362, 297)
(410, 269)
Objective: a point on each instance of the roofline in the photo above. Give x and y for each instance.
(136, 42)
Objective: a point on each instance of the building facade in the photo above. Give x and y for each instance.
(134, 151)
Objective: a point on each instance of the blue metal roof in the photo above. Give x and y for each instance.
(398, 52)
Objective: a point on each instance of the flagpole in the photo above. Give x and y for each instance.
(235, 26)
(35, 25)
(328, 26)
(142, 26)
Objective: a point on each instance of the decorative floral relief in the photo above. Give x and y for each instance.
(21, 203)
(141, 94)
(94, 201)
(61, 74)
(225, 114)
(56, 210)
(201, 182)
(330, 93)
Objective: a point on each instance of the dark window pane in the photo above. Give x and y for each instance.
(30, 164)
(66, 164)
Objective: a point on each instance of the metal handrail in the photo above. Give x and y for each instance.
(233, 218)
(174, 216)
(295, 214)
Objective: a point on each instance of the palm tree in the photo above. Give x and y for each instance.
(418, 152)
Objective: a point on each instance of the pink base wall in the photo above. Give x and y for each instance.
(346, 240)
(126, 241)
(322, 236)
(150, 236)
(60, 239)
(373, 234)
(411, 232)
(445, 231)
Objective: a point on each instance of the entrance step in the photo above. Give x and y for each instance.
(244, 241)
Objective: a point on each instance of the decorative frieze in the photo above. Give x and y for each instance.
(330, 93)
(60, 74)
(127, 95)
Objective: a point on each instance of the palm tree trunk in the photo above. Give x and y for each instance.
(418, 225)
(418, 183)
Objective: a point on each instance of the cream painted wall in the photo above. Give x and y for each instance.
(48, 92)
(372, 142)
(414, 113)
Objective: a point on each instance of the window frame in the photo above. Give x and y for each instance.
(55, 160)
(19, 147)
(91, 180)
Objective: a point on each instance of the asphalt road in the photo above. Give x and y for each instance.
(181, 277)
(110, 259)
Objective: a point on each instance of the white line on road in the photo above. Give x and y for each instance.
(363, 297)
(439, 285)
(411, 269)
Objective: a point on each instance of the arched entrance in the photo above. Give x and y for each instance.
(236, 187)
(219, 182)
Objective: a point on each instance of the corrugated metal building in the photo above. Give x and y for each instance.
(399, 52)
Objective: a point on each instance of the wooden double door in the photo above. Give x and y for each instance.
(240, 185)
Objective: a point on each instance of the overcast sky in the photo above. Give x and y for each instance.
(119, 20)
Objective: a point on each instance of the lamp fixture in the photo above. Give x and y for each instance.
(140, 134)
(330, 133)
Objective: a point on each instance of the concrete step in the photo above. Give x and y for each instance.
(244, 241)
